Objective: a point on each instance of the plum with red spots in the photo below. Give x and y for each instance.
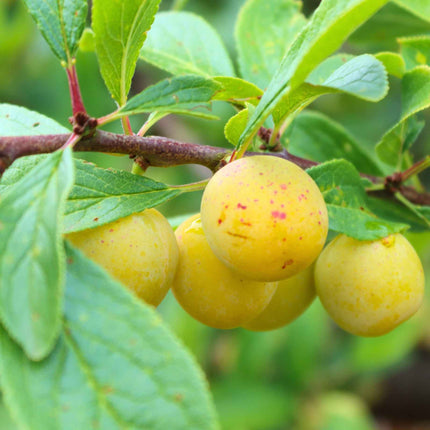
(264, 217)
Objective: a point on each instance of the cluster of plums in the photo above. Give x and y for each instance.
(254, 256)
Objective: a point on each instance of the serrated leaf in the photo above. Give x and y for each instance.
(61, 22)
(264, 32)
(420, 8)
(315, 136)
(331, 23)
(116, 366)
(184, 43)
(364, 77)
(360, 224)
(340, 183)
(31, 253)
(415, 97)
(120, 29)
(345, 197)
(178, 94)
(101, 196)
(236, 124)
(19, 121)
(236, 90)
(415, 50)
(393, 63)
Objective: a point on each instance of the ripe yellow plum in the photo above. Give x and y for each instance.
(139, 250)
(292, 297)
(264, 217)
(370, 287)
(207, 289)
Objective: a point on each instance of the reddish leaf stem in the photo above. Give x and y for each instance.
(75, 91)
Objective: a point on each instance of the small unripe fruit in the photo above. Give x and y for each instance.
(291, 299)
(370, 287)
(264, 217)
(207, 289)
(139, 250)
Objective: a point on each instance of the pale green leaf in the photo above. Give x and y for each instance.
(61, 22)
(330, 25)
(393, 63)
(236, 90)
(181, 93)
(183, 43)
(317, 137)
(415, 50)
(31, 253)
(115, 367)
(120, 29)
(101, 196)
(264, 32)
(420, 8)
(236, 124)
(363, 77)
(415, 97)
(19, 121)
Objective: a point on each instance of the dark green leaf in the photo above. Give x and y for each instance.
(61, 22)
(179, 94)
(19, 121)
(115, 366)
(331, 23)
(264, 32)
(415, 97)
(101, 196)
(183, 43)
(31, 253)
(120, 29)
(315, 136)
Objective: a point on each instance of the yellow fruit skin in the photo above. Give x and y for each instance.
(207, 289)
(370, 287)
(139, 250)
(264, 217)
(291, 299)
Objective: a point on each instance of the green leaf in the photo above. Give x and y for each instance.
(31, 253)
(396, 212)
(360, 224)
(120, 29)
(183, 43)
(19, 121)
(179, 94)
(380, 32)
(61, 22)
(88, 41)
(264, 32)
(315, 136)
(345, 197)
(330, 25)
(415, 50)
(101, 196)
(364, 77)
(116, 366)
(393, 63)
(420, 8)
(415, 97)
(236, 124)
(236, 90)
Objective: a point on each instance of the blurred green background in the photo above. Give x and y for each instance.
(307, 376)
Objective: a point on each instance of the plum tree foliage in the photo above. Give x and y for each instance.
(81, 245)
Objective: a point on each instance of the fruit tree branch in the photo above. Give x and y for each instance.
(154, 151)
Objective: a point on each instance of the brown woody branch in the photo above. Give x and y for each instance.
(158, 152)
